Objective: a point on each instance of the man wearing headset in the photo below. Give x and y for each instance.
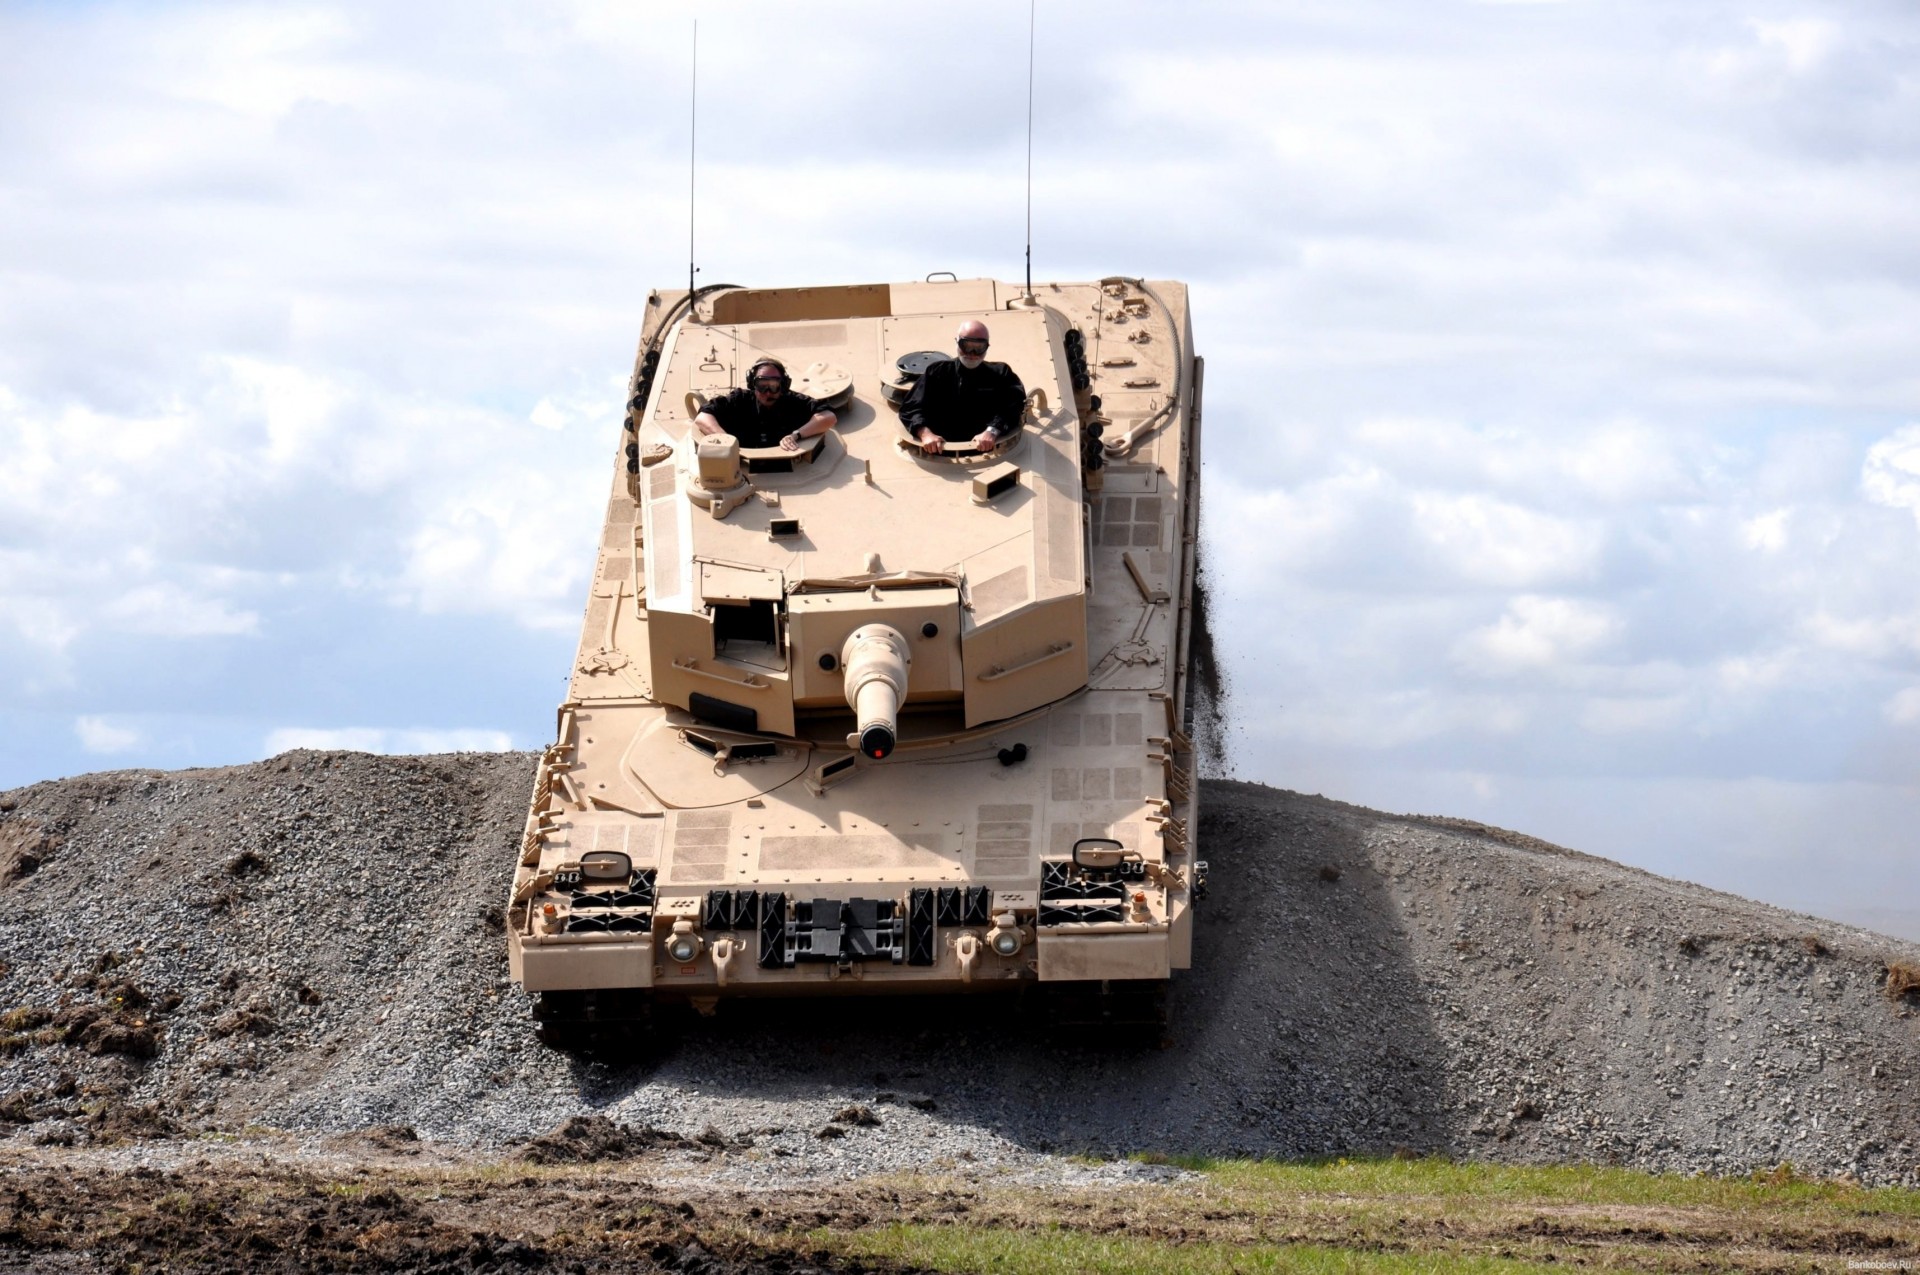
(766, 412)
(964, 399)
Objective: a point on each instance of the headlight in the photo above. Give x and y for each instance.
(685, 944)
(1005, 938)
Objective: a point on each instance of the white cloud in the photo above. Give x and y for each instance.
(292, 476)
(1387, 720)
(1876, 637)
(1611, 463)
(1903, 709)
(1314, 525)
(517, 546)
(293, 408)
(1625, 715)
(1891, 473)
(1766, 532)
(1621, 462)
(1498, 543)
(97, 735)
(589, 410)
(380, 739)
(1396, 510)
(1749, 674)
(1538, 633)
(167, 610)
(1803, 42)
(43, 622)
(1775, 57)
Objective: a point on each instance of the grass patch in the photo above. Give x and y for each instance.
(1053, 1251)
(1453, 1180)
(1386, 1215)
(25, 1019)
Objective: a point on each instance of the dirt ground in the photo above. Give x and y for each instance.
(385, 1204)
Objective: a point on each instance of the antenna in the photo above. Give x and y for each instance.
(1030, 9)
(693, 117)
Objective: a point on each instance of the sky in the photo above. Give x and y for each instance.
(1562, 399)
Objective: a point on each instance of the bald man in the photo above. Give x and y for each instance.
(964, 399)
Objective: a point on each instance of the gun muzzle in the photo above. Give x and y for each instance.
(875, 659)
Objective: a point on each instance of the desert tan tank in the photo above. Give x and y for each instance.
(1005, 633)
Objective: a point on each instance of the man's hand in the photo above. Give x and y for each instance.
(791, 443)
(931, 443)
(706, 424)
(986, 440)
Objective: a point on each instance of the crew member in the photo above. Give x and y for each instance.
(767, 412)
(964, 399)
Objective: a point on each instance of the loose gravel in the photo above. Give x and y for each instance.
(311, 947)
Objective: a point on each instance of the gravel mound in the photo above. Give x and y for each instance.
(314, 944)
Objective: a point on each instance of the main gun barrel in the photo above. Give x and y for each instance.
(875, 659)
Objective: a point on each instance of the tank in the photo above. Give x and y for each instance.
(858, 720)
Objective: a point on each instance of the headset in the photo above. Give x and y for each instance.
(786, 382)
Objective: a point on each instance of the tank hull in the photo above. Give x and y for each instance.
(705, 825)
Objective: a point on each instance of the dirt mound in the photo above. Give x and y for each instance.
(313, 944)
(589, 1139)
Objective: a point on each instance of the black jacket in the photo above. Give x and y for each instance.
(956, 403)
(740, 415)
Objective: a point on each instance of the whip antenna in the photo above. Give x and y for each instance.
(693, 117)
(1030, 10)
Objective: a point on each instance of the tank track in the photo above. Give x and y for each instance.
(1138, 1012)
(620, 1023)
(604, 1021)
